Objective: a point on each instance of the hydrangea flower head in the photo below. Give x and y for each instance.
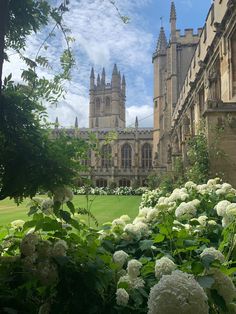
(177, 293)
(164, 266)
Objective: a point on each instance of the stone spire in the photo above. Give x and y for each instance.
(136, 122)
(98, 80)
(162, 42)
(103, 80)
(115, 71)
(172, 11)
(56, 123)
(92, 78)
(76, 123)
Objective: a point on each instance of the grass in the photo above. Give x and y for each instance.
(104, 207)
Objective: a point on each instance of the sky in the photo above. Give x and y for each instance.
(102, 39)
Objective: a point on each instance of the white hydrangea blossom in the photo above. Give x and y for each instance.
(211, 251)
(28, 244)
(177, 293)
(122, 297)
(153, 214)
(59, 249)
(231, 210)
(178, 194)
(120, 257)
(212, 223)
(17, 224)
(63, 194)
(132, 282)
(202, 220)
(133, 231)
(221, 208)
(224, 285)
(118, 223)
(46, 204)
(164, 266)
(202, 188)
(185, 210)
(133, 268)
(125, 218)
(190, 185)
(139, 219)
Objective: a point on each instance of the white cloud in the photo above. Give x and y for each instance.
(101, 39)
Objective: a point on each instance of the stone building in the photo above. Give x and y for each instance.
(195, 81)
(126, 160)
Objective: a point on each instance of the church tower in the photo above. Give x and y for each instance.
(107, 101)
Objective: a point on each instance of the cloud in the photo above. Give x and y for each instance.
(101, 39)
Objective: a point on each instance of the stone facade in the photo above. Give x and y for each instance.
(195, 81)
(126, 160)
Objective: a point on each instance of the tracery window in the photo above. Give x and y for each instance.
(106, 155)
(146, 156)
(107, 105)
(101, 183)
(126, 156)
(97, 106)
(124, 182)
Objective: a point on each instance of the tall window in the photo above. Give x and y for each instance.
(106, 156)
(233, 60)
(124, 182)
(107, 105)
(126, 156)
(86, 159)
(97, 106)
(101, 183)
(146, 156)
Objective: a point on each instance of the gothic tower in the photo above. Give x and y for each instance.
(107, 101)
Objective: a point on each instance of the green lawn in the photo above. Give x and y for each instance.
(105, 208)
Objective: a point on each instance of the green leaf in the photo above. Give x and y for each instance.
(206, 281)
(207, 260)
(218, 300)
(197, 268)
(65, 215)
(71, 207)
(33, 210)
(145, 245)
(159, 238)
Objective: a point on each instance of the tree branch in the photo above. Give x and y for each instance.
(3, 21)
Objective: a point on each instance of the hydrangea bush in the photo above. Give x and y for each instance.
(110, 191)
(177, 256)
(186, 243)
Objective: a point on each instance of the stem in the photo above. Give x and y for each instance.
(3, 22)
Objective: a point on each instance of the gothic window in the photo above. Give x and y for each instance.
(146, 156)
(97, 106)
(233, 61)
(201, 97)
(107, 105)
(124, 182)
(96, 123)
(106, 156)
(101, 183)
(126, 156)
(86, 159)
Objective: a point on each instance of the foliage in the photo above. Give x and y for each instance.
(126, 190)
(53, 262)
(198, 157)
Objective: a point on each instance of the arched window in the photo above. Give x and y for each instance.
(97, 106)
(101, 183)
(146, 156)
(107, 105)
(86, 159)
(106, 156)
(126, 156)
(124, 182)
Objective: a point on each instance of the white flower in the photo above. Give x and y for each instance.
(221, 208)
(202, 220)
(152, 214)
(17, 224)
(213, 182)
(231, 209)
(178, 194)
(195, 202)
(46, 204)
(227, 220)
(132, 282)
(190, 185)
(63, 194)
(212, 223)
(142, 228)
(202, 188)
(144, 211)
(122, 297)
(134, 268)
(133, 230)
(28, 244)
(224, 286)
(211, 251)
(59, 249)
(125, 218)
(139, 219)
(120, 257)
(118, 222)
(177, 293)
(185, 210)
(164, 266)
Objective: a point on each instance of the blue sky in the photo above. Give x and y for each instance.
(101, 39)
